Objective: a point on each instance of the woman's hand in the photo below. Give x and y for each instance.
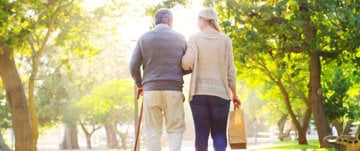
(235, 98)
(236, 101)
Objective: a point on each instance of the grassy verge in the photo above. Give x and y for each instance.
(313, 145)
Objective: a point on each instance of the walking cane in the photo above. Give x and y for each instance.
(138, 124)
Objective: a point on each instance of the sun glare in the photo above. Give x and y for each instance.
(185, 20)
(92, 4)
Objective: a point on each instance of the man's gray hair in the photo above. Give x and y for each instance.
(162, 16)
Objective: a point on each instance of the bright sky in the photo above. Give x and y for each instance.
(135, 23)
(185, 19)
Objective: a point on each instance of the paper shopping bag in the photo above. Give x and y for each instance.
(236, 129)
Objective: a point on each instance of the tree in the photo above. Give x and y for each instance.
(52, 99)
(294, 100)
(42, 24)
(109, 105)
(16, 99)
(283, 30)
(38, 42)
(340, 104)
(77, 68)
(89, 133)
(70, 139)
(277, 67)
(38, 21)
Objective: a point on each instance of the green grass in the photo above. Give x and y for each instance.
(313, 145)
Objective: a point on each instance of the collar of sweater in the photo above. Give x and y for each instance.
(162, 26)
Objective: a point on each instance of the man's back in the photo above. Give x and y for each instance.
(160, 51)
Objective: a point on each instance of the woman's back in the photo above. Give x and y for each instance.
(214, 61)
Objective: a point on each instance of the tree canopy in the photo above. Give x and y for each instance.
(291, 44)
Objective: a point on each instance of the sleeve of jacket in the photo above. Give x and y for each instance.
(231, 66)
(188, 59)
(135, 65)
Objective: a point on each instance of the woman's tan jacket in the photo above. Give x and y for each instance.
(210, 57)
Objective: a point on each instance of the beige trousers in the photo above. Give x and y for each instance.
(160, 105)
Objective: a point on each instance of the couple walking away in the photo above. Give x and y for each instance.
(160, 60)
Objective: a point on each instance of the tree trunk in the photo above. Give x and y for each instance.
(123, 137)
(88, 141)
(70, 140)
(111, 135)
(281, 125)
(302, 135)
(305, 122)
(17, 100)
(295, 120)
(87, 135)
(301, 128)
(32, 108)
(3, 146)
(338, 126)
(35, 66)
(315, 98)
(314, 86)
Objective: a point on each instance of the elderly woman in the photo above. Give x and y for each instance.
(213, 81)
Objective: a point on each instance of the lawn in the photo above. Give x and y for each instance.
(313, 145)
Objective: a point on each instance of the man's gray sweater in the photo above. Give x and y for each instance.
(159, 52)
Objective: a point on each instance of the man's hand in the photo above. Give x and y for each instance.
(139, 92)
(236, 101)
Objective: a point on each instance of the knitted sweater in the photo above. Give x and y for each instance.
(210, 57)
(159, 52)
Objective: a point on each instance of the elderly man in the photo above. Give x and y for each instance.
(159, 52)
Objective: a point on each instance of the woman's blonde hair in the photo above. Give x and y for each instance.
(211, 16)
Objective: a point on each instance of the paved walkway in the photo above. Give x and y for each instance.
(250, 148)
(186, 147)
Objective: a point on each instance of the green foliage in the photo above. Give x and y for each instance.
(270, 45)
(30, 26)
(14, 22)
(151, 10)
(74, 63)
(5, 115)
(80, 29)
(335, 96)
(53, 100)
(341, 91)
(111, 102)
(355, 108)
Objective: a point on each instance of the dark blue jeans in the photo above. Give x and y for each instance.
(210, 114)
